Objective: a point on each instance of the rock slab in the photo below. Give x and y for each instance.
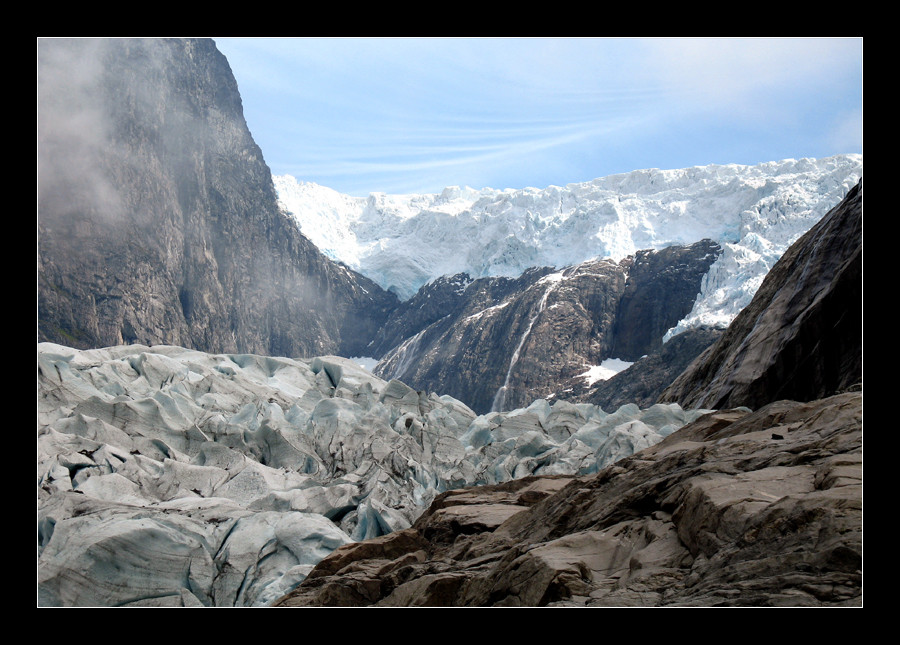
(800, 337)
(739, 508)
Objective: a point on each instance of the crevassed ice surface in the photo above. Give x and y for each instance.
(171, 477)
(755, 212)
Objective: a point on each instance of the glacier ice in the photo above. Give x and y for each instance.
(753, 212)
(171, 477)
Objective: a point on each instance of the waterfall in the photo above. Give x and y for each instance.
(405, 354)
(500, 396)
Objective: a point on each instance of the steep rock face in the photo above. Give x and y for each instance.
(662, 285)
(735, 509)
(801, 336)
(644, 382)
(498, 344)
(157, 217)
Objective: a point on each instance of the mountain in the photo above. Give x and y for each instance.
(739, 508)
(499, 343)
(801, 337)
(158, 221)
(199, 444)
(514, 295)
(753, 212)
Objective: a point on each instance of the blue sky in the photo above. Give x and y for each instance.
(413, 115)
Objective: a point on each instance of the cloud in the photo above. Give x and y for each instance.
(491, 111)
(721, 72)
(73, 131)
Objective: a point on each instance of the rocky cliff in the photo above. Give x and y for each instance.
(158, 221)
(801, 336)
(500, 343)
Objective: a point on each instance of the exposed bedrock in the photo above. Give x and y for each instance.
(499, 343)
(738, 508)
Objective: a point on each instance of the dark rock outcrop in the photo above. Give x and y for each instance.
(644, 382)
(500, 343)
(662, 286)
(158, 220)
(800, 338)
(736, 509)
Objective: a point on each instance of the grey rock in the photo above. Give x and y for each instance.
(719, 513)
(800, 337)
(158, 222)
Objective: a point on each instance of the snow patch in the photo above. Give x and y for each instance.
(366, 362)
(489, 311)
(552, 278)
(604, 371)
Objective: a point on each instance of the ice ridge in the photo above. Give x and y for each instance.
(755, 212)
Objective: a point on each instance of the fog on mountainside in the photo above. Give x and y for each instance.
(158, 221)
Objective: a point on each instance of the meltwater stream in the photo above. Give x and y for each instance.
(500, 396)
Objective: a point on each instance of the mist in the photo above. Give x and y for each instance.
(74, 134)
(158, 218)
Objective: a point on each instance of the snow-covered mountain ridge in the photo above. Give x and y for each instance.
(755, 212)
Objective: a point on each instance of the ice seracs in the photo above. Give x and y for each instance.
(755, 212)
(168, 476)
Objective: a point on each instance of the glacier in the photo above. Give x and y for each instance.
(172, 477)
(755, 212)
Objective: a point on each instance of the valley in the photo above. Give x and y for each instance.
(204, 438)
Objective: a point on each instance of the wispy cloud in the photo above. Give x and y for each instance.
(515, 112)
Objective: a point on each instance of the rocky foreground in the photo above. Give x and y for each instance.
(736, 509)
